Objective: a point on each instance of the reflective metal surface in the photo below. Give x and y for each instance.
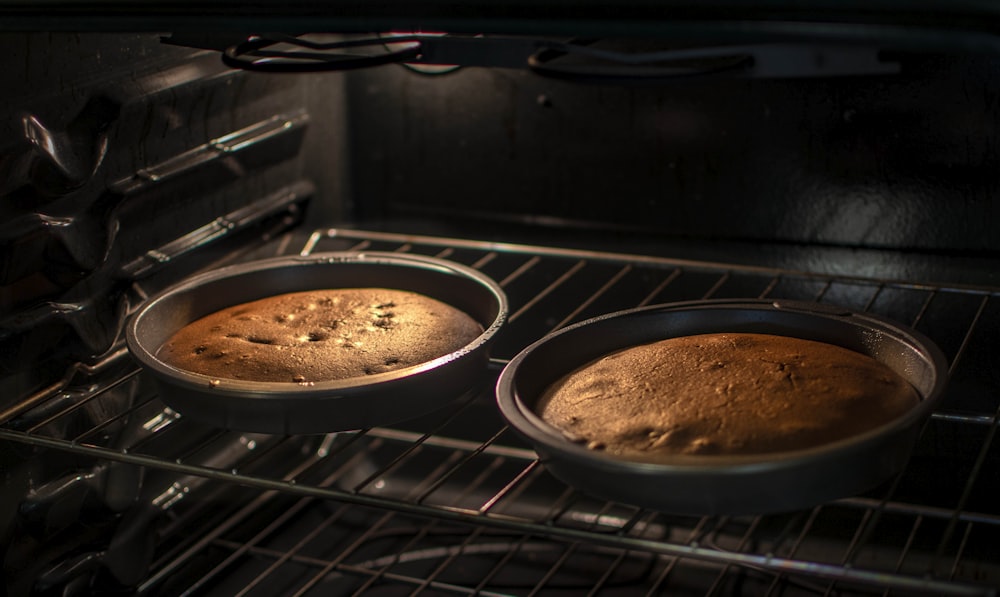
(726, 484)
(322, 406)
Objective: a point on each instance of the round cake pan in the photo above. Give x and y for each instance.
(356, 403)
(750, 484)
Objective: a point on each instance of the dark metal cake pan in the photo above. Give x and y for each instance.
(722, 484)
(355, 403)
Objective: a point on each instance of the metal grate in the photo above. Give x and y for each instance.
(454, 503)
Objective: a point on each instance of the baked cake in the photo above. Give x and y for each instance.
(320, 335)
(726, 393)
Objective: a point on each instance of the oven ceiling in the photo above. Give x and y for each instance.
(971, 23)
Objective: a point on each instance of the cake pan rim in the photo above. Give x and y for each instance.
(283, 395)
(549, 441)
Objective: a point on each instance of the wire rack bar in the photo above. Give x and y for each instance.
(412, 447)
(648, 299)
(151, 400)
(547, 290)
(593, 297)
(214, 533)
(470, 539)
(634, 258)
(396, 558)
(462, 459)
(365, 569)
(910, 538)
(461, 515)
(82, 401)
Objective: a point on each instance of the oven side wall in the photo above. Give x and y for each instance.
(122, 155)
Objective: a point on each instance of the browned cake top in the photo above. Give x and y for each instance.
(724, 394)
(320, 335)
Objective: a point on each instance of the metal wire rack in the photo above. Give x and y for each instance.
(454, 503)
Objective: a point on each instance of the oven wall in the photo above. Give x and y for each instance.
(901, 161)
(119, 155)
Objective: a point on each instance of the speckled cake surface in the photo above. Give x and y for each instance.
(320, 335)
(724, 394)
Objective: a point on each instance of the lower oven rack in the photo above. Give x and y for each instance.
(474, 498)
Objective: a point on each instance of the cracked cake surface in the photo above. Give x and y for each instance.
(320, 335)
(726, 393)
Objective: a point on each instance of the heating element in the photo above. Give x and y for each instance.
(455, 503)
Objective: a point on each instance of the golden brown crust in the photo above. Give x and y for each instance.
(320, 335)
(724, 394)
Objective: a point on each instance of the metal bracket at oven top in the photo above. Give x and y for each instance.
(588, 61)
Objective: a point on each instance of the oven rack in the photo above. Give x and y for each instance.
(905, 537)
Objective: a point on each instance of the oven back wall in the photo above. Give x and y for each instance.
(906, 160)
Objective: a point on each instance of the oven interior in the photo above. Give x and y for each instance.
(132, 161)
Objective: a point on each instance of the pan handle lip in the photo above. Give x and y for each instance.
(333, 389)
(517, 412)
